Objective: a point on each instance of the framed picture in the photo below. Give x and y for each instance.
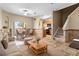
(6, 21)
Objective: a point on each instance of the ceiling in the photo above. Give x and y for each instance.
(39, 9)
(59, 6)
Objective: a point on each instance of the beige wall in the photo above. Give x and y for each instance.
(0, 25)
(6, 17)
(38, 27)
(73, 20)
(71, 27)
(57, 21)
(12, 18)
(67, 11)
(57, 18)
(61, 16)
(0, 19)
(38, 23)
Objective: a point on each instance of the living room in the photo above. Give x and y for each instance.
(28, 29)
(19, 25)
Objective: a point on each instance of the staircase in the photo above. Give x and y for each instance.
(58, 35)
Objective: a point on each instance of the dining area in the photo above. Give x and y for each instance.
(22, 33)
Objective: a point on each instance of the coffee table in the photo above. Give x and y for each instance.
(38, 48)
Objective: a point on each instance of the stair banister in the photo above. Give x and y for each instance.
(56, 32)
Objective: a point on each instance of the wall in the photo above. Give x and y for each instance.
(38, 27)
(66, 20)
(12, 18)
(60, 16)
(0, 24)
(67, 11)
(37, 23)
(57, 18)
(6, 17)
(0, 18)
(57, 21)
(73, 22)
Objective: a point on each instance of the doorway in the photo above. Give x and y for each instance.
(47, 24)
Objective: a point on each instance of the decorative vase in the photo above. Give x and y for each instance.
(37, 41)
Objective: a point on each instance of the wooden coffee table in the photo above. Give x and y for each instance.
(38, 49)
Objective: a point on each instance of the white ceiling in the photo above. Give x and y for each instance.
(58, 6)
(41, 9)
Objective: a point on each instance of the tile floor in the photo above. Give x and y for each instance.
(17, 48)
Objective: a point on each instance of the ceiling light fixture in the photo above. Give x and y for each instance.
(46, 16)
(24, 10)
(28, 12)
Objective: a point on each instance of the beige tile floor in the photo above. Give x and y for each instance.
(17, 48)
